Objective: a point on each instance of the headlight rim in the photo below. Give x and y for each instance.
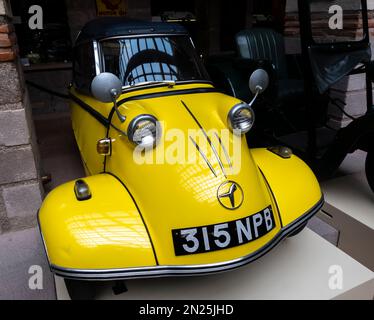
(134, 122)
(234, 110)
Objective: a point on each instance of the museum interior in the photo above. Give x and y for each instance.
(38, 149)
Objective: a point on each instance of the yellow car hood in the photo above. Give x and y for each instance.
(184, 195)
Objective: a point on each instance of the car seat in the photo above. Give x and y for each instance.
(267, 44)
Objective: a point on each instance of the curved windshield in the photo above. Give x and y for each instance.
(152, 59)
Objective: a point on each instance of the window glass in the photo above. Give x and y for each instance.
(84, 66)
(150, 59)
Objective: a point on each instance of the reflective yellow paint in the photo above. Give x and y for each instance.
(87, 131)
(99, 233)
(180, 195)
(293, 183)
(103, 232)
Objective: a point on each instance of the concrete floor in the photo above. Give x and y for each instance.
(354, 163)
(19, 252)
(58, 149)
(60, 158)
(23, 249)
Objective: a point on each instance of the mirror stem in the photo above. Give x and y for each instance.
(258, 90)
(121, 117)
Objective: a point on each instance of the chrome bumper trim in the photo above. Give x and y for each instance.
(174, 271)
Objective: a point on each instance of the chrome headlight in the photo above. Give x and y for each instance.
(144, 131)
(241, 118)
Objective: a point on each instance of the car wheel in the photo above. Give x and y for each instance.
(369, 167)
(298, 230)
(81, 290)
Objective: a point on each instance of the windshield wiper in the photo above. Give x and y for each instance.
(168, 83)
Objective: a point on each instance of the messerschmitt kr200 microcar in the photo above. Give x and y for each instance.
(134, 83)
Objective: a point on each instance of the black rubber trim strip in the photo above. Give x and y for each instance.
(140, 213)
(98, 116)
(195, 119)
(168, 93)
(107, 135)
(273, 195)
(110, 118)
(150, 96)
(106, 122)
(167, 271)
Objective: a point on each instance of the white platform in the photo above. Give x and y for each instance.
(350, 210)
(297, 269)
(352, 195)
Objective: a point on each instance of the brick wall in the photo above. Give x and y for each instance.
(7, 42)
(352, 89)
(20, 190)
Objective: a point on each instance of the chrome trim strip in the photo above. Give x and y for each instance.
(217, 156)
(224, 150)
(204, 157)
(165, 271)
(145, 35)
(207, 137)
(97, 57)
(128, 88)
(136, 120)
(239, 106)
(43, 240)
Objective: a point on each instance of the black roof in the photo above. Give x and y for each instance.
(119, 26)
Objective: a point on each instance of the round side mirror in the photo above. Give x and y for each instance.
(106, 85)
(259, 81)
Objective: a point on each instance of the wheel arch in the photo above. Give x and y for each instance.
(105, 231)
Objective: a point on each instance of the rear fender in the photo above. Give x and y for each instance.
(104, 232)
(294, 186)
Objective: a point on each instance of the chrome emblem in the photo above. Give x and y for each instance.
(230, 195)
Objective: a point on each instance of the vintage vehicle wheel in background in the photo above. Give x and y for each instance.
(370, 168)
(81, 290)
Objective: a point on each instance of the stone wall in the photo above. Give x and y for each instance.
(20, 189)
(351, 89)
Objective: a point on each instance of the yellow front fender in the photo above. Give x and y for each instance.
(293, 184)
(104, 232)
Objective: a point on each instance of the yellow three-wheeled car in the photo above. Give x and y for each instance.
(172, 188)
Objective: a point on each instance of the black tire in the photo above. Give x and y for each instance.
(81, 290)
(298, 230)
(369, 168)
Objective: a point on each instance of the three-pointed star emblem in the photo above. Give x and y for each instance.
(230, 195)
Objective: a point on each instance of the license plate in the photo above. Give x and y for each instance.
(224, 235)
